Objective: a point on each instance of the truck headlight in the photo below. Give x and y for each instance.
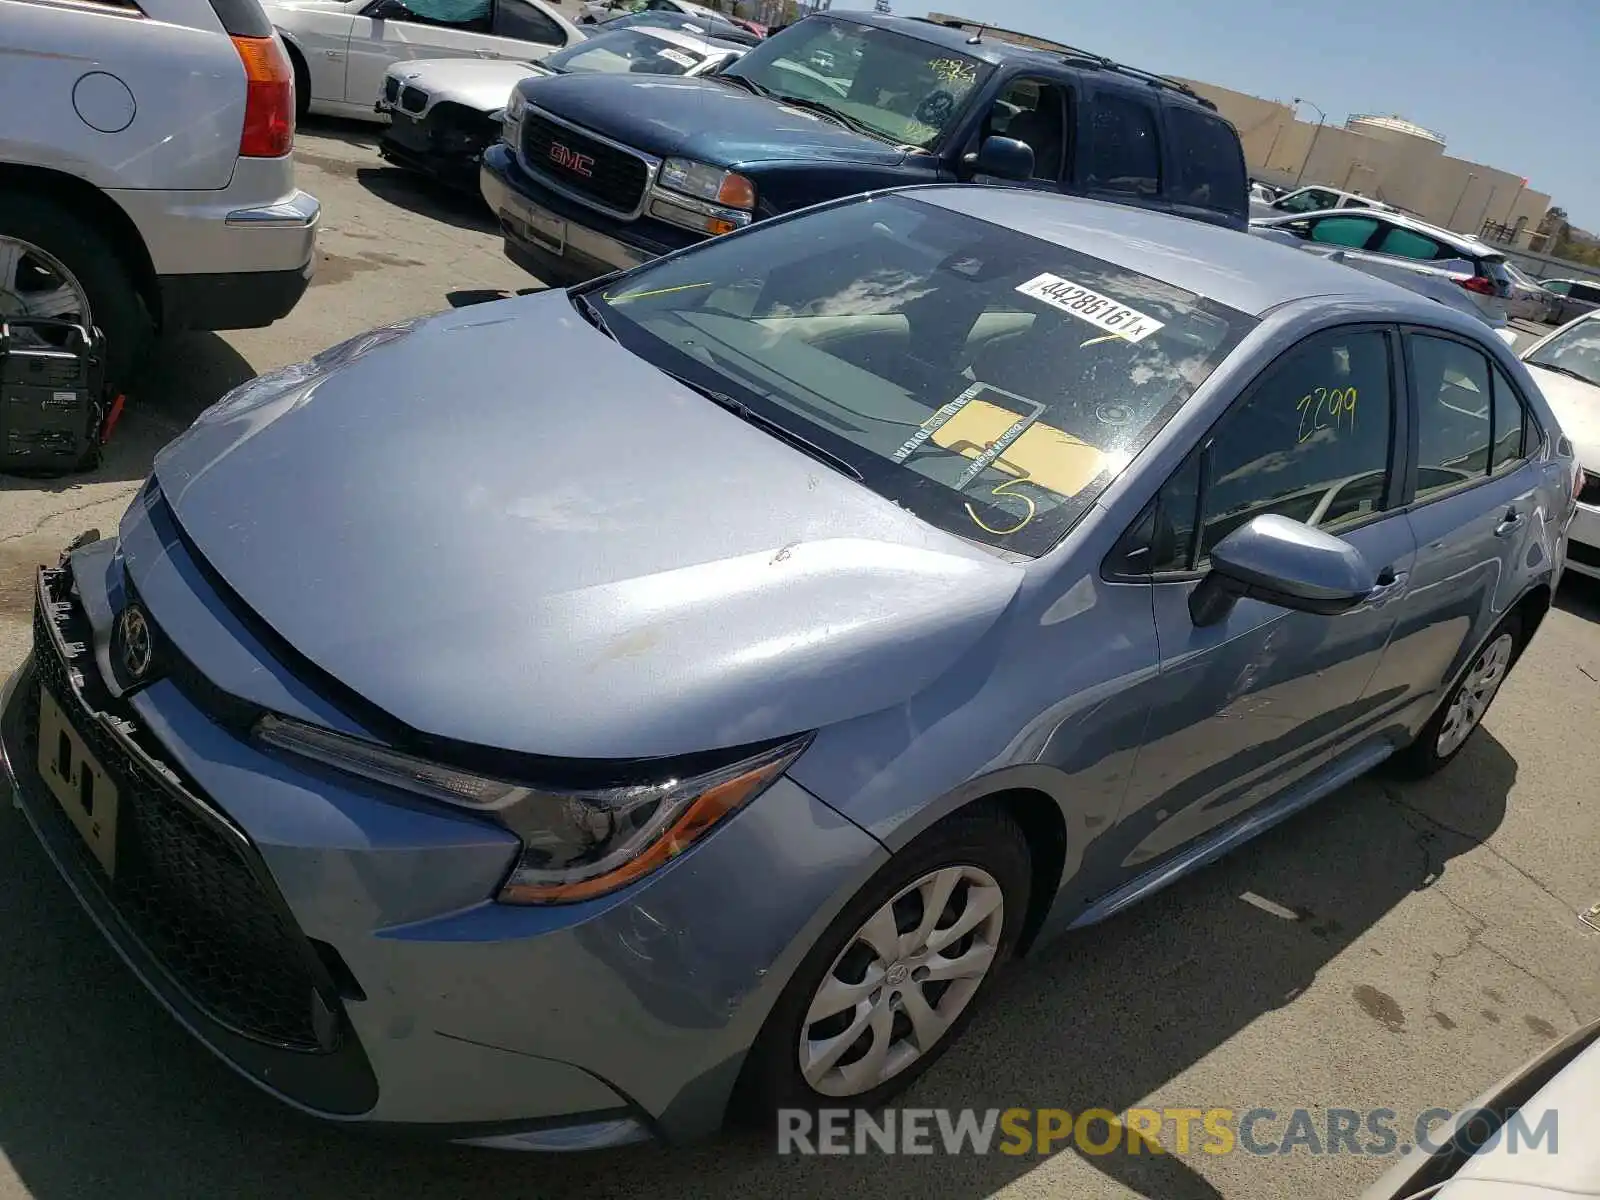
(705, 182)
(576, 843)
(511, 118)
(701, 197)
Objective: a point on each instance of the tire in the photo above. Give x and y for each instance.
(1433, 750)
(973, 845)
(96, 267)
(302, 84)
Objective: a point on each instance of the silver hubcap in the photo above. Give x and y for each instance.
(33, 283)
(902, 981)
(1472, 698)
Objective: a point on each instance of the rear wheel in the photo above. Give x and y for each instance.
(55, 263)
(1463, 708)
(896, 977)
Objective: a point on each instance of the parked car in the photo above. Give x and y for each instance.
(1314, 199)
(1261, 194)
(341, 49)
(1577, 296)
(117, 223)
(914, 102)
(445, 112)
(592, 774)
(1528, 299)
(1566, 366)
(1524, 1137)
(708, 25)
(600, 11)
(1403, 241)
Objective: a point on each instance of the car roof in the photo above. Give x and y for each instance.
(678, 37)
(995, 51)
(1249, 274)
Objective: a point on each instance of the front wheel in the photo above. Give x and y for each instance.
(895, 979)
(1463, 708)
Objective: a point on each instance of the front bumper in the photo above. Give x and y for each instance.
(1583, 541)
(446, 144)
(559, 240)
(428, 1004)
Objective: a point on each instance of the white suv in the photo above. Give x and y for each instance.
(146, 181)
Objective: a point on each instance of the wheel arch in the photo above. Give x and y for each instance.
(94, 205)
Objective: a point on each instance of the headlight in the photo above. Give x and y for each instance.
(576, 844)
(300, 377)
(705, 182)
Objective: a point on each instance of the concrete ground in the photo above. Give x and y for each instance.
(1397, 946)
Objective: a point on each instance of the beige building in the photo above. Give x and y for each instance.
(1385, 157)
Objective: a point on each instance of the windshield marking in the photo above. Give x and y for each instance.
(1086, 304)
(666, 291)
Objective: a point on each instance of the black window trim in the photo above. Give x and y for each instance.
(1412, 501)
(1399, 468)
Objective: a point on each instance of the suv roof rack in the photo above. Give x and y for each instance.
(1075, 57)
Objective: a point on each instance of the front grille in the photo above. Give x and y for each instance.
(413, 100)
(391, 89)
(614, 179)
(186, 884)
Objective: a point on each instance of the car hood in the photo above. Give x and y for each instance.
(711, 122)
(1577, 407)
(478, 83)
(505, 529)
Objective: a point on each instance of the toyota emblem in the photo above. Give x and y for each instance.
(137, 642)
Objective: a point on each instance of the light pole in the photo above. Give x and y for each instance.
(1321, 117)
(1450, 221)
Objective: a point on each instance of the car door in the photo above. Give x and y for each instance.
(1252, 704)
(1038, 111)
(1120, 157)
(323, 38)
(390, 31)
(1473, 507)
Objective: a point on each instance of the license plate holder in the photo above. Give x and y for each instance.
(78, 782)
(546, 230)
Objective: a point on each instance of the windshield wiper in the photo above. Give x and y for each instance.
(743, 411)
(1568, 371)
(592, 315)
(822, 108)
(748, 84)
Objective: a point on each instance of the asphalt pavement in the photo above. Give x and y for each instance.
(1397, 946)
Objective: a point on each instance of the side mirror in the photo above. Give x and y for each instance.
(1001, 157)
(1282, 562)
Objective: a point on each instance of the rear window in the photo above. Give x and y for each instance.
(1496, 269)
(988, 381)
(1210, 162)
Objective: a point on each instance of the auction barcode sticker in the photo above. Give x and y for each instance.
(679, 57)
(1089, 305)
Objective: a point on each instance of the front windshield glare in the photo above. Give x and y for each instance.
(625, 51)
(907, 90)
(1575, 350)
(988, 381)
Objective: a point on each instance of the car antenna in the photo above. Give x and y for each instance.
(977, 38)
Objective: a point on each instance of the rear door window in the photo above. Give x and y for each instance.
(1513, 433)
(1210, 162)
(521, 20)
(1124, 151)
(1406, 243)
(1344, 231)
(1454, 411)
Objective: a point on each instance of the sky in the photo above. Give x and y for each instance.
(1510, 85)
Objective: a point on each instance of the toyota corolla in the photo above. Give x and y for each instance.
(577, 718)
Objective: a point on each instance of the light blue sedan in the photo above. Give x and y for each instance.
(585, 716)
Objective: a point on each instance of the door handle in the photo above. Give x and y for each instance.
(1389, 585)
(1510, 523)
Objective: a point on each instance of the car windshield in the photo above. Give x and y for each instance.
(621, 51)
(991, 382)
(904, 89)
(1573, 351)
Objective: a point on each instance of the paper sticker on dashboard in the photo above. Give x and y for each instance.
(679, 57)
(1088, 305)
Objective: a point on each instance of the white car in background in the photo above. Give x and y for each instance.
(1566, 366)
(444, 113)
(341, 49)
(1528, 299)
